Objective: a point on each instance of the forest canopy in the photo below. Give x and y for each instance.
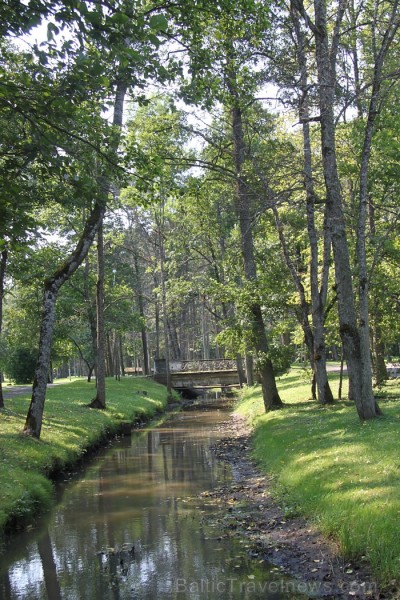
(196, 180)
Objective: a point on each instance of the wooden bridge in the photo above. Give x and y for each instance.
(197, 375)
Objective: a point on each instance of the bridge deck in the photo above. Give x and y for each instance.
(200, 379)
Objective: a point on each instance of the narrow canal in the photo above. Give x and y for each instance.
(134, 525)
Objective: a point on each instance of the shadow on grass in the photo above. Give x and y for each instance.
(342, 472)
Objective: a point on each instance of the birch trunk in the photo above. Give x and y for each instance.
(33, 424)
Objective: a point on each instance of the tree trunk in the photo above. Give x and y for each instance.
(160, 222)
(99, 401)
(89, 366)
(108, 356)
(33, 424)
(242, 200)
(3, 266)
(143, 331)
(318, 298)
(239, 366)
(117, 366)
(326, 66)
(249, 369)
(91, 315)
(157, 326)
(379, 365)
(90, 369)
(121, 357)
(363, 287)
(317, 358)
(173, 340)
(271, 396)
(341, 375)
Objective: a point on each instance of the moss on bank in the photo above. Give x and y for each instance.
(69, 430)
(342, 474)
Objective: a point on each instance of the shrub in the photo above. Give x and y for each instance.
(19, 365)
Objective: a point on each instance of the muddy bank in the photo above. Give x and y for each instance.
(274, 533)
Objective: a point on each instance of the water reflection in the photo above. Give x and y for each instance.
(134, 527)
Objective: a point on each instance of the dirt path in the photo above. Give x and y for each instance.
(19, 390)
(288, 542)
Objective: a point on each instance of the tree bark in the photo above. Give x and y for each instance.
(240, 370)
(363, 287)
(108, 355)
(52, 285)
(121, 356)
(143, 329)
(326, 67)
(318, 297)
(91, 315)
(164, 300)
(242, 201)
(3, 266)
(99, 401)
(249, 369)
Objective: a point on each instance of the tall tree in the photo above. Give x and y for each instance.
(3, 264)
(355, 342)
(318, 293)
(231, 35)
(100, 399)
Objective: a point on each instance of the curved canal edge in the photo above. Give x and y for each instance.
(275, 533)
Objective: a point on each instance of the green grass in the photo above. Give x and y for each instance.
(341, 473)
(69, 429)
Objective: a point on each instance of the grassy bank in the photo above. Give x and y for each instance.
(343, 475)
(69, 429)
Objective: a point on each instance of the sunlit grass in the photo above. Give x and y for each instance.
(339, 472)
(69, 429)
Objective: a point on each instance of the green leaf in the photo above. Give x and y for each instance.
(120, 17)
(153, 39)
(158, 23)
(51, 30)
(94, 17)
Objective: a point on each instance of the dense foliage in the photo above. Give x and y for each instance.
(231, 227)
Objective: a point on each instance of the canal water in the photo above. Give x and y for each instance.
(133, 525)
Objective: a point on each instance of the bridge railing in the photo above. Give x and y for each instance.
(220, 364)
(184, 366)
